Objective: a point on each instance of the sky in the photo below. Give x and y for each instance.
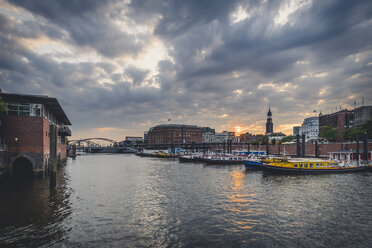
(120, 67)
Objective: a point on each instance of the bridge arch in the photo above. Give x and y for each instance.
(111, 141)
(22, 167)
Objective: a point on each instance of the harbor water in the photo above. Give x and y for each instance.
(121, 200)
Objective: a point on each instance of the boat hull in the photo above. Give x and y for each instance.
(208, 161)
(277, 169)
(252, 165)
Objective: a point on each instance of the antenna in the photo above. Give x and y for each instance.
(363, 101)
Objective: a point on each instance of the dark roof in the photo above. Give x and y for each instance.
(51, 102)
(175, 126)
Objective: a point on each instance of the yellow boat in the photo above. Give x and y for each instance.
(306, 165)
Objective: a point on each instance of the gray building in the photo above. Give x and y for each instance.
(362, 115)
(296, 130)
(208, 135)
(310, 127)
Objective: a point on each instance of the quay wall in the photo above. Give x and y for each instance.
(323, 149)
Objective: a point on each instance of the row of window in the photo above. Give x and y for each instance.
(311, 165)
(30, 109)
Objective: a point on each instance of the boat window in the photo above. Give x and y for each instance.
(305, 166)
(317, 165)
(295, 165)
(311, 165)
(300, 165)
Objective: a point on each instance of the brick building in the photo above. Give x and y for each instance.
(33, 130)
(338, 120)
(175, 134)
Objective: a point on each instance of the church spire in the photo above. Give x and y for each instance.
(269, 123)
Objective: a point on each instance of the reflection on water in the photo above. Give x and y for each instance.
(31, 213)
(242, 205)
(120, 200)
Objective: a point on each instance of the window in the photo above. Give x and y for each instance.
(305, 166)
(300, 165)
(12, 108)
(295, 165)
(311, 165)
(24, 109)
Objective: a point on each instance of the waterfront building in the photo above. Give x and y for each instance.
(146, 137)
(310, 127)
(296, 130)
(33, 131)
(130, 140)
(248, 137)
(222, 137)
(276, 136)
(208, 134)
(269, 123)
(339, 120)
(133, 139)
(175, 134)
(362, 115)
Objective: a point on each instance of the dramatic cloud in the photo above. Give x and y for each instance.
(120, 67)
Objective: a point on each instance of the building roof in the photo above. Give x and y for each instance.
(176, 125)
(51, 102)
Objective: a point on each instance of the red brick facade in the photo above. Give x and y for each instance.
(175, 134)
(29, 136)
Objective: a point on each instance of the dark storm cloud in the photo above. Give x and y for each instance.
(321, 57)
(87, 23)
(180, 16)
(136, 74)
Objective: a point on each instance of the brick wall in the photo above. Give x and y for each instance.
(27, 129)
(46, 137)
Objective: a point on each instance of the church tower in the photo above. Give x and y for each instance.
(269, 123)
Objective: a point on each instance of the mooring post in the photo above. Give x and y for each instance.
(53, 156)
(303, 145)
(357, 149)
(249, 148)
(316, 149)
(298, 145)
(365, 148)
(224, 147)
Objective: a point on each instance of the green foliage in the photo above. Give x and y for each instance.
(263, 140)
(273, 141)
(254, 143)
(3, 107)
(288, 139)
(352, 134)
(328, 133)
(368, 128)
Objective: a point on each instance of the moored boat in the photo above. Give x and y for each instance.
(310, 166)
(252, 164)
(223, 160)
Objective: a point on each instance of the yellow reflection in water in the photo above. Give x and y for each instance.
(241, 203)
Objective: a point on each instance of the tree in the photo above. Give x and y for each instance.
(263, 140)
(352, 134)
(254, 143)
(3, 107)
(288, 138)
(368, 128)
(273, 141)
(328, 133)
